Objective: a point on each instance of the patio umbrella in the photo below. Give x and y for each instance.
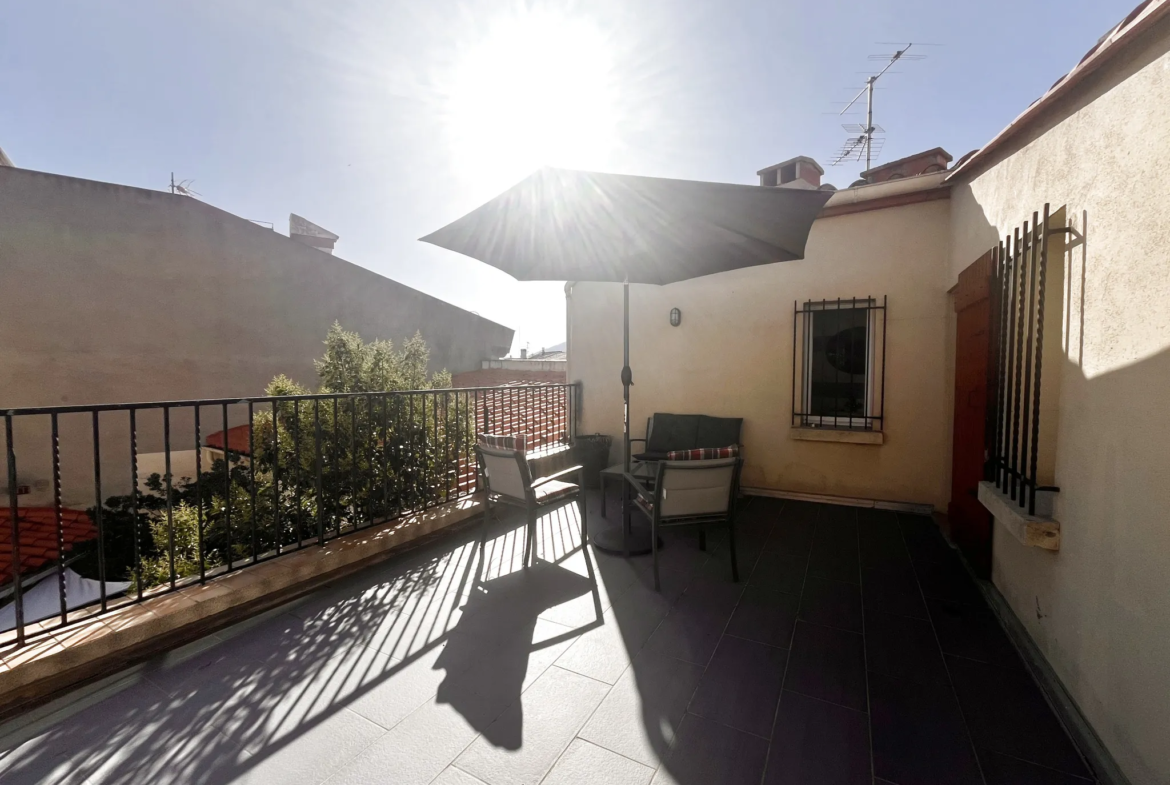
(568, 225)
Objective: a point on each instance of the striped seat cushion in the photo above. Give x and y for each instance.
(704, 453)
(514, 441)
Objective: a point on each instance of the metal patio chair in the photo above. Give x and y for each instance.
(508, 480)
(691, 493)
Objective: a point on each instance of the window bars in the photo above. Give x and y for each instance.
(140, 492)
(1017, 352)
(839, 364)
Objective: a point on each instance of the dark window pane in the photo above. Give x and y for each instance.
(838, 362)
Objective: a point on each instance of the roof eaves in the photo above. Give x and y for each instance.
(1107, 47)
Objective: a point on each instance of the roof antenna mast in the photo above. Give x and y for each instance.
(864, 142)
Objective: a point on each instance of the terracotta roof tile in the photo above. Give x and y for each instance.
(38, 537)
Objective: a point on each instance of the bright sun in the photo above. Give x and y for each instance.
(534, 90)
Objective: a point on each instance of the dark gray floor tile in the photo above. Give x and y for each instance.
(834, 551)
(841, 516)
(818, 742)
(741, 685)
(831, 603)
(974, 633)
(799, 512)
(947, 579)
(1003, 770)
(918, 734)
(883, 553)
(779, 572)
(641, 714)
(904, 648)
(765, 616)
(583, 762)
(689, 632)
(829, 664)
(707, 752)
(523, 743)
(791, 538)
(924, 540)
(892, 589)
(879, 536)
(1007, 713)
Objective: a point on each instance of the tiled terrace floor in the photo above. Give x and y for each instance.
(855, 649)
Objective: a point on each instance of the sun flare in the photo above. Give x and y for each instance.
(535, 90)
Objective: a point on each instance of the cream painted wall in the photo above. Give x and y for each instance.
(1099, 609)
(732, 355)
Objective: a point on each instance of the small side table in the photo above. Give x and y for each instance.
(628, 539)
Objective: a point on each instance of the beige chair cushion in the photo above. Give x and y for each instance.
(552, 490)
(697, 487)
(503, 475)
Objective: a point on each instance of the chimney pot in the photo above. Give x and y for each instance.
(523, 354)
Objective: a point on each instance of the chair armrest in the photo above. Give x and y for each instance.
(638, 486)
(556, 475)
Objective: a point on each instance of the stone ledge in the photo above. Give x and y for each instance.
(1035, 531)
(840, 435)
(63, 657)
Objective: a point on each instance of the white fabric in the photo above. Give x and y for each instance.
(697, 491)
(503, 475)
(42, 601)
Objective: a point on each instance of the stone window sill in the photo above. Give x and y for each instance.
(1035, 531)
(840, 435)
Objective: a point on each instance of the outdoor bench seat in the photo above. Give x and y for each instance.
(667, 433)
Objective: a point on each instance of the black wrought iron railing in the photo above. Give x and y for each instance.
(131, 500)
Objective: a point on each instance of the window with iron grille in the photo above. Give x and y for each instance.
(838, 363)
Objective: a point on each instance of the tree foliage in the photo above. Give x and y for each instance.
(387, 442)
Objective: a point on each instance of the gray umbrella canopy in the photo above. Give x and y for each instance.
(567, 225)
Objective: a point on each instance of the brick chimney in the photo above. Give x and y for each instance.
(307, 232)
(798, 172)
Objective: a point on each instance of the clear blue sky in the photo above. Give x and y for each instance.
(384, 120)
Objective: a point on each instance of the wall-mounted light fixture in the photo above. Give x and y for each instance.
(675, 317)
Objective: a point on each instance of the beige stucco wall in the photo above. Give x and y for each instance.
(732, 355)
(1099, 609)
(116, 294)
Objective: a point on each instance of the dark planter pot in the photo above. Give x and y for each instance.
(592, 452)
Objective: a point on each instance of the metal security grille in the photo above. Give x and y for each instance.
(1017, 343)
(839, 363)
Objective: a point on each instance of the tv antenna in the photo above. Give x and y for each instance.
(863, 141)
(182, 187)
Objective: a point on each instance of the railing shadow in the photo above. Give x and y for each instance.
(458, 620)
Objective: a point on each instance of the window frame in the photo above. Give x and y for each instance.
(872, 417)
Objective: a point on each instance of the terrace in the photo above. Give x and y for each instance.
(855, 648)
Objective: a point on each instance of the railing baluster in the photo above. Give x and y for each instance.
(227, 492)
(385, 455)
(334, 473)
(353, 461)
(296, 437)
(252, 477)
(14, 512)
(1043, 235)
(1033, 248)
(98, 523)
(276, 497)
(61, 524)
(199, 498)
(320, 472)
(170, 495)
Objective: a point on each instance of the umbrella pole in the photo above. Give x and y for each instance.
(627, 539)
(627, 376)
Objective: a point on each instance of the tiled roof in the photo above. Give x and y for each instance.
(237, 440)
(38, 537)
